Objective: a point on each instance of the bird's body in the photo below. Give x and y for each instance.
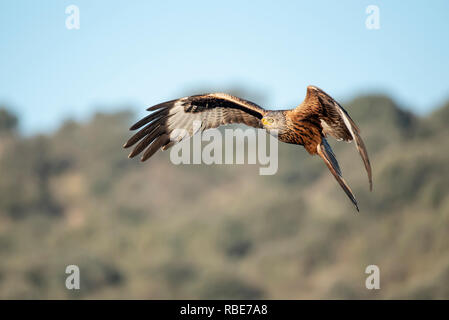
(308, 125)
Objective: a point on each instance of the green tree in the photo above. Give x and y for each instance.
(8, 121)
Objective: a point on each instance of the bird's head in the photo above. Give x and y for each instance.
(273, 120)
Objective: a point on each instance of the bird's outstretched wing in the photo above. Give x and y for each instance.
(172, 121)
(325, 151)
(335, 121)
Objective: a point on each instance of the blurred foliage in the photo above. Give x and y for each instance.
(8, 121)
(156, 230)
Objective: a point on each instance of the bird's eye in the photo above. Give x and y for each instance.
(267, 121)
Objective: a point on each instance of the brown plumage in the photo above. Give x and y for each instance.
(308, 125)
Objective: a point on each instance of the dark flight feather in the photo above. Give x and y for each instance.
(325, 152)
(158, 143)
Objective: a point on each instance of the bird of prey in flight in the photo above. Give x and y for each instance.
(318, 116)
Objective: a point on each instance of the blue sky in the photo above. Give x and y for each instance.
(139, 53)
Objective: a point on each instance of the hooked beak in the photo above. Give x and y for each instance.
(264, 121)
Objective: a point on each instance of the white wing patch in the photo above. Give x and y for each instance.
(328, 128)
(182, 125)
(347, 124)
